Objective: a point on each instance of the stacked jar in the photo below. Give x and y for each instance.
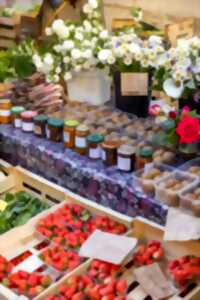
(126, 158)
(69, 133)
(16, 116)
(40, 125)
(82, 132)
(109, 152)
(27, 120)
(55, 130)
(5, 111)
(94, 146)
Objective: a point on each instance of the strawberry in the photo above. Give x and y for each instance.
(121, 286)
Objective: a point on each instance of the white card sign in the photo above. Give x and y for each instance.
(108, 247)
(134, 84)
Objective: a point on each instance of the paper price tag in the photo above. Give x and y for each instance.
(134, 84)
(3, 205)
(31, 264)
(108, 247)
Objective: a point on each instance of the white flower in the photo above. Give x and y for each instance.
(104, 34)
(55, 78)
(134, 48)
(93, 3)
(48, 59)
(57, 48)
(71, 27)
(60, 29)
(154, 40)
(127, 60)
(87, 8)
(87, 53)
(119, 51)
(104, 54)
(86, 65)
(66, 59)
(111, 60)
(57, 24)
(77, 68)
(67, 76)
(48, 31)
(76, 53)
(172, 89)
(68, 45)
(58, 70)
(79, 36)
(87, 25)
(95, 30)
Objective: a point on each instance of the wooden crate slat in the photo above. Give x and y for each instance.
(8, 33)
(5, 43)
(185, 29)
(8, 21)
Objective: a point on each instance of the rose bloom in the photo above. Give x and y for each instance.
(188, 130)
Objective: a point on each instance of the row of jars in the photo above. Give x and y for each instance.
(78, 137)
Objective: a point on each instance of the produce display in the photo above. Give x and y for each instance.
(70, 226)
(5, 268)
(19, 209)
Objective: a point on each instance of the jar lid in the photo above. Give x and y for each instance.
(146, 152)
(110, 144)
(41, 118)
(17, 109)
(95, 138)
(126, 149)
(55, 122)
(72, 123)
(82, 127)
(28, 114)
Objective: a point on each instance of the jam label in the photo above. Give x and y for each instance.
(124, 164)
(95, 152)
(80, 142)
(103, 155)
(27, 126)
(5, 113)
(66, 137)
(47, 132)
(37, 130)
(18, 123)
(148, 167)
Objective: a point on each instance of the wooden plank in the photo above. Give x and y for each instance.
(7, 21)
(185, 29)
(8, 33)
(5, 43)
(120, 23)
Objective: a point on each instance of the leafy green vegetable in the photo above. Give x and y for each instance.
(21, 207)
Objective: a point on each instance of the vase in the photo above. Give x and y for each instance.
(91, 86)
(188, 151)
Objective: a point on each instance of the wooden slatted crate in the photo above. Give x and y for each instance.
(9, 31)
(145, 231)
(184, 29)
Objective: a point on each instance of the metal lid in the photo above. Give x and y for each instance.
(126, 150)
(72, 123)
(17, 109)
(82, 127)
(28, 114)
(146, 152)
(58, 123)
(95, 138)
(41, 118)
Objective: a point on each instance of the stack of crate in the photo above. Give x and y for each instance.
(9, 31)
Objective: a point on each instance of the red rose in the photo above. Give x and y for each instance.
(188, 129)
(172, 115)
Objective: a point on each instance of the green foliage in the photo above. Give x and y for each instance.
(21, 207)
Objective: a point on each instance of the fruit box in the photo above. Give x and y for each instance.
(20, 179)
(145, 231)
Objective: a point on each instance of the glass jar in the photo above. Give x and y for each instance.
(126, 158)
(55, 130)
(69, 133)
(144, 157)
(27, 120)
(109, 152)
(82, 132)
(5, 111)
(40, 124)
(16, 116)
(94, 145)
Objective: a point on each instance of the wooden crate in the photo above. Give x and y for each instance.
(9, 31)
(145, 231)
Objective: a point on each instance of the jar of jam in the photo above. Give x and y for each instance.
(109, 152)
(55, 130)
(144, 157)
(126, 158)
(69, 133)
(16, 116)
(40, 124)
(27, 120)
(5, 111)
(94, 145)
(82, 132)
